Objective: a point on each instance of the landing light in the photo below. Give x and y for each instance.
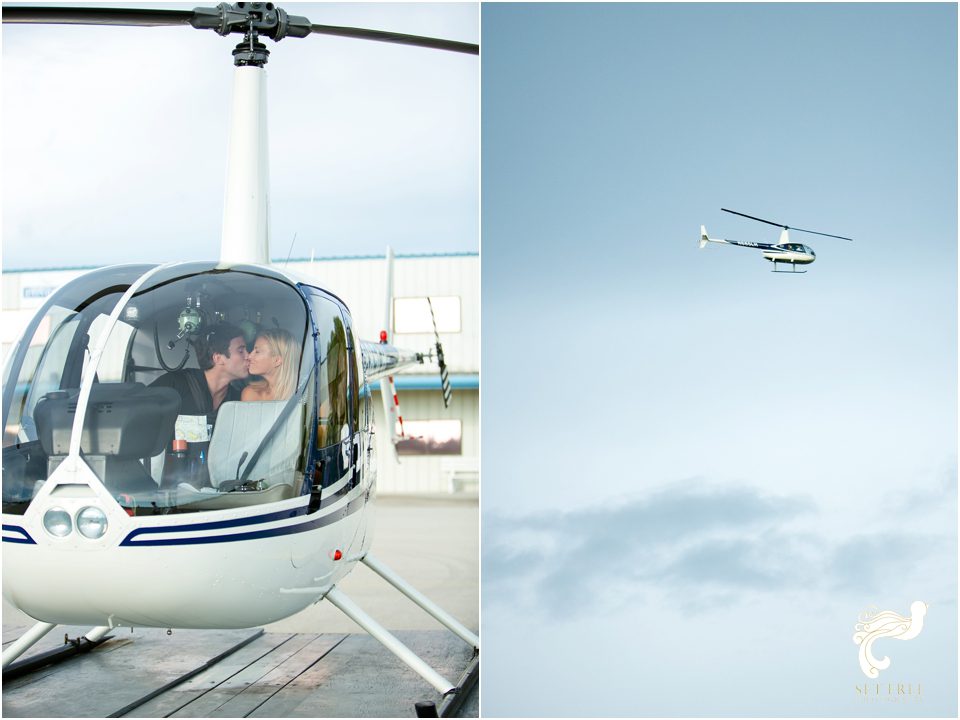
(91, 522)
(56, 521)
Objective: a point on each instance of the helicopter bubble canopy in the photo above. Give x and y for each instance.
(796, 247)
(151, 432)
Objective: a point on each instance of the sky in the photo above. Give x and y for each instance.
(712, 470)
(115, 139)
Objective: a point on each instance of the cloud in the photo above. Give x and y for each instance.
(865, 560)
(941, 493)
(694, 544)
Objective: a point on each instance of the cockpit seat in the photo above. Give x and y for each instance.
(125, 423)
(241, 428)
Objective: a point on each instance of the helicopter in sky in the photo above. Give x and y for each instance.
(123, 508)
(783, 252)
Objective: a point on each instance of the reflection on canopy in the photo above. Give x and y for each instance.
(167, 446)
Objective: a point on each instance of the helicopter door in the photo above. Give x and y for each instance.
(353, 398)
(336, 420)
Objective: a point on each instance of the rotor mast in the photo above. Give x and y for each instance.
(245, 237)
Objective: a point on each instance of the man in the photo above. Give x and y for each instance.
(222, 356)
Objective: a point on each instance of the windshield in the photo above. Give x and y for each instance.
(203, 397)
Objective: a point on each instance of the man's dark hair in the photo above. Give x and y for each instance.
(215, 340)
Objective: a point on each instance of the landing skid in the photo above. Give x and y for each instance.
(35, 634)
(453, 693)
(794, 271)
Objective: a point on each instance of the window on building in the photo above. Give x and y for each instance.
(431, 437)
(412, 314)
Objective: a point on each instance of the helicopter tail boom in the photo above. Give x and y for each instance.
(704, 238)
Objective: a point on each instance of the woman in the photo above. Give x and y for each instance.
(274, 360)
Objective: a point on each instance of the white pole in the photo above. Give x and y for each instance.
(388, 310)
(386, 391)
(410, 658)
(26, 641)
(435, 611)
(246, 207)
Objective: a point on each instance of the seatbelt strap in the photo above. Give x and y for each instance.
(203, 404)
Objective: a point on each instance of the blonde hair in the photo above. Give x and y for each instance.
(283, 345)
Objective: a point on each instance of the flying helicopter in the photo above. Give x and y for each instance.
(270, 505)
(783, 252)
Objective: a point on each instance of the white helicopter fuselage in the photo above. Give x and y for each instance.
(788, 254)
(225, 569)
(781, 252)
(220, 569)
(233, 559)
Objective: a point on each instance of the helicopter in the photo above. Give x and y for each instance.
(783, 252)
(121, 511)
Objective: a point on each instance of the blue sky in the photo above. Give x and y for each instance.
(711, 470)
(115, 139)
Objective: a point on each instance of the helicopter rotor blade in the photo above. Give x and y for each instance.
(786, 227)
(814, 232)
(397, 38)
(95, 16)
(224, 20)
(768, 222)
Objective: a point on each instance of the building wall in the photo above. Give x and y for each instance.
(430, 473)
(23, 292)
(360, 283)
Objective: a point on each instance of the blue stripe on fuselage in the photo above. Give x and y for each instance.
(327, 519)
(25, 540)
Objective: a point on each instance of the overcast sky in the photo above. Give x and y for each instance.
(697, 473)
(114, 139)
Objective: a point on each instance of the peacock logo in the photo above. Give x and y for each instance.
(874, 624)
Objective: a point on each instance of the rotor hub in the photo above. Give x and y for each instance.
(260, 18)
(251, 52)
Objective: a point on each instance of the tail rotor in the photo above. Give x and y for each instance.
(444, 375)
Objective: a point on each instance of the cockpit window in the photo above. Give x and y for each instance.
(40, 372)
(168, 426)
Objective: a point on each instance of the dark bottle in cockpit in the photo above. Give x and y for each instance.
(176, 466)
